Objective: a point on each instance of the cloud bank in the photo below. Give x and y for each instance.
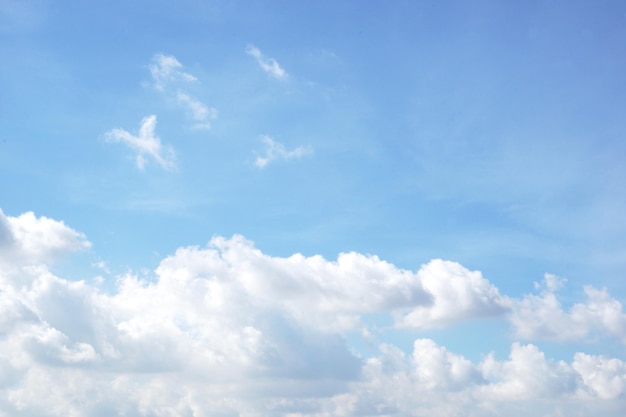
(227, 330)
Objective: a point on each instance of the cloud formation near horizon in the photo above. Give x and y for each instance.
(229, 330)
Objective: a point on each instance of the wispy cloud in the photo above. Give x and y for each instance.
(167, 77)
(166, 69)
(197, 110)
(269, 65)
(145, 144)
(275, 150)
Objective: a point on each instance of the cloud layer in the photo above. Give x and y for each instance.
(229, 330)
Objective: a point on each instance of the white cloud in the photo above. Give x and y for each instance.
(322, 294)
(275, 150)
(166, 69)
(543, 317)
(198, 111)
(146, 143)
(435, 367)
(228, 330)
(31, 240)
(269, 65)
(602, 377)
(458, 294)
(167, 78)
(433, 381)
(527, 375)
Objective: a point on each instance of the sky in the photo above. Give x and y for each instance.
(312, 209)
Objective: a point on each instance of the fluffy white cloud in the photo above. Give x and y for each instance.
(435, 367)
(543, 317)
(458, 294)
(31, 240)
(326, 295)
(275, 150)
(433, 381)
(146, 143)
(602, 377)
(227, 330)
(527, 375)
(269, 65)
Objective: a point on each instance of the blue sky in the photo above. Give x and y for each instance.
(306, 167)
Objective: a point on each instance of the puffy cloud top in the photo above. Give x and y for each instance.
(28, 239)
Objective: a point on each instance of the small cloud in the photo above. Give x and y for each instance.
(167, 75)
(101, 265)
(197, 110)
(166, 69)
(28, 239)
(269, 65)
(145, 144)
(277, 150)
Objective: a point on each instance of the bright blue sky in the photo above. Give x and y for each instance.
(490, 134)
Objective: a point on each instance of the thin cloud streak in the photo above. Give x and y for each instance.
(198, 111)
(166, 69)
(269, 65)
(275, 150)
(145, 144)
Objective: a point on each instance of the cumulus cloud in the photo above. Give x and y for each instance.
(228, 330)
(145, 144)
(327, 295)
(275, 150)
(432, 381)
(458, 294)
(602, 377)
(269, 65)
(28, 239)
(434, 367)
(527, 375)
(541, 316)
